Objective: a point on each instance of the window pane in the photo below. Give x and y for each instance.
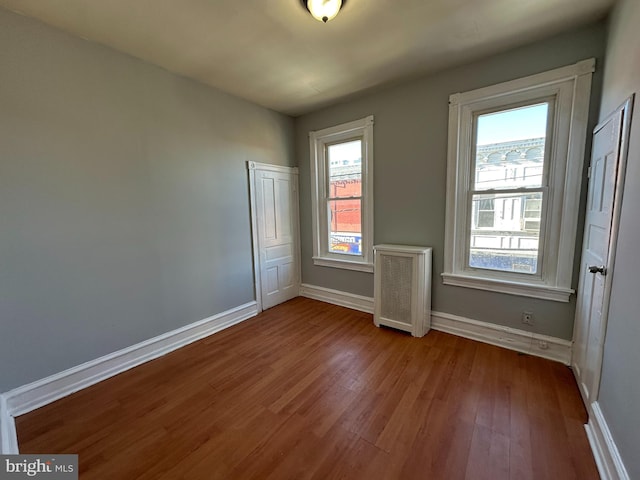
(345, 169)
(345, 227)
(485, 219)
(505, 232)
(510, 148)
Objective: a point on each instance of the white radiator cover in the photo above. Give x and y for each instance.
(402, 288)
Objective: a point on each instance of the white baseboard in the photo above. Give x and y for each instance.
(543, 346)
(605, 451)
(336, 297)
(42, 392)
(519, 340)
(8, 437)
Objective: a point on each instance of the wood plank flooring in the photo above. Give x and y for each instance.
(308, 390)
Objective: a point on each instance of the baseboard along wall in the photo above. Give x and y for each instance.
(536, 344)
(8, 437)
(520, 340)
(604, 448)
(47, 390)
(336, 297)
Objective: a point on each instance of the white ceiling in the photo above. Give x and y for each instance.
(272, 52)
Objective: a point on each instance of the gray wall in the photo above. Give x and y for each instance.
(620, 382)
(123, 199)
(410, 149)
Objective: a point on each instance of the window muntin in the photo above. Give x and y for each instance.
(342, 195)
(485, 212)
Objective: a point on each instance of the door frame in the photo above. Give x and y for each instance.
(255, 240)
(625, 109)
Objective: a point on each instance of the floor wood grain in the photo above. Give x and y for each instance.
(309, 390)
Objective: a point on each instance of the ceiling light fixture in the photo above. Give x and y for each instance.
(323, 10)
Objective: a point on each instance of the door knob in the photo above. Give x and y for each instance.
(595, 269)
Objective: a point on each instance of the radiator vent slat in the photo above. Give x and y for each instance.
(397, 275)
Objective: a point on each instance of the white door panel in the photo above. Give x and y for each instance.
(592, 300)
(275, 215)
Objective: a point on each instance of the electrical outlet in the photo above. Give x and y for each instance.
(527, 318)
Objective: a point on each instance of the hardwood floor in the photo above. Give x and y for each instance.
(308, 390)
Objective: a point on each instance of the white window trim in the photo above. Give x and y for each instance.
(363, 129)
(571, 86)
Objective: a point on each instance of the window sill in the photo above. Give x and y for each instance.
(344, 264)
(544, 292)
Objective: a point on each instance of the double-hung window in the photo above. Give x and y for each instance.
(516, 155)
(342, 195)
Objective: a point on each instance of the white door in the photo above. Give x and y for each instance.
(274, 205)
(605, 177)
